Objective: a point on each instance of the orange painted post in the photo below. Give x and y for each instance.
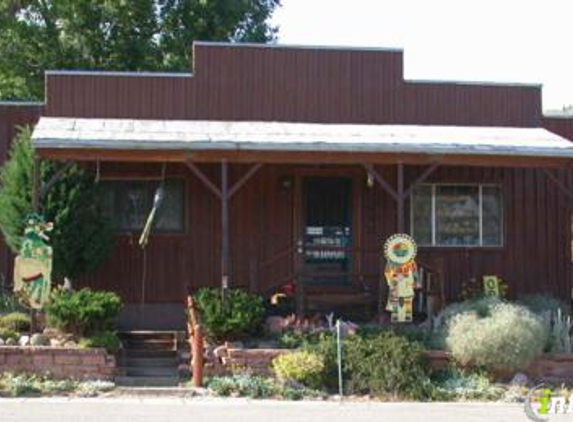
(197, 351)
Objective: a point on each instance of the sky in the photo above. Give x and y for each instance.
(526, 41)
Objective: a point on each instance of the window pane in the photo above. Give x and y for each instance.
(171, 215)
(422, 214)
(457, 215)
(492, 216)
(129, 203)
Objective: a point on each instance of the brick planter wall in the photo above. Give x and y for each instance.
(58, 362)
(547, 367)
(225, 359)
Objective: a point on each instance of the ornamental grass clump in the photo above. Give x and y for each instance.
(16, 321)
(301, 367)
(508, 338)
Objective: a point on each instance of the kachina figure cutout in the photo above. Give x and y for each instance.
(33, 266)
(401, 275)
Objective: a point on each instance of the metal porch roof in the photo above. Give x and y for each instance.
(168, 135)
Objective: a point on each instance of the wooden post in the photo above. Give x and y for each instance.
(400, 200)
(197, 352)
(36, 185)
(225, 246)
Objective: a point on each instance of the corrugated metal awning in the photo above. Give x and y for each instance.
(190, 136)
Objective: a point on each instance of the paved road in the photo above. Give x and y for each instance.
(239, 410)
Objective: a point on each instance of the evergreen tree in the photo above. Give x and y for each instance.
(82, 237)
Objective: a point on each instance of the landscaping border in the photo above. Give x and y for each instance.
(58, 362)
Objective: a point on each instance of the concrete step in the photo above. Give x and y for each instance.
(148, 353)
(162, 381)
(153, 335)
(147, 361)
(149, 371)
(149, 344)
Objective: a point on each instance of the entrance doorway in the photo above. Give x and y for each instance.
(326, 230)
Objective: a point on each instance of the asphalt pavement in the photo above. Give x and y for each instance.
(136, 409)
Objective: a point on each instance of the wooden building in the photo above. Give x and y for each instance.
(292, 165)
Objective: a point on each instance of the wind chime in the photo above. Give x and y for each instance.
(401, 274)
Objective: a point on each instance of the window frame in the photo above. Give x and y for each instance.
(154, 232)
(480, 187)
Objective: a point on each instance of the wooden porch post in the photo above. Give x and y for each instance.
(225, 236)
(401, 199)
(36, 185)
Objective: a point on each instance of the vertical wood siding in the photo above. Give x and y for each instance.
(289, 84)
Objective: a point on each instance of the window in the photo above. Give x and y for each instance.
(128, 203)
(457, 215)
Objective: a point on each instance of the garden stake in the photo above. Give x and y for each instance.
(339, 352)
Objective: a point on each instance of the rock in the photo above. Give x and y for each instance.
(348, 329)
(220, 352)
(70, 344)
(275, 324)
(11, 342)
(235, 345)
(56, 342)
(519, 380)
(24, 341)
(51, 332)
(39, 340)
(1, 342)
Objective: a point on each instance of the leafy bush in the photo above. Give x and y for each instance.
(240, 315)
(9, 303)
(325, 347)
(439, 324)
(386, 364)
(15, 321)
(464, 385)
(541, 303)
(107, 339)
(301, 367)
(243, 386)
(6, 333)
(292, 339)
(509, 338)
(84, 312)
(23, 384)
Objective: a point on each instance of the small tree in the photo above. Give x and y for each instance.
(82, 236)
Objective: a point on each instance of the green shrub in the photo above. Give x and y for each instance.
(23, 384)
(387, 364)
(9, 303)
(243, 386)
(6, 333)
(302, 367)
(541, 303)
(84, 312)
(15, 321)
(439, 330)
(296, 339)
(107, 340)
(464, 385)
(240, 315)
(509, 338)
(325, 347)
